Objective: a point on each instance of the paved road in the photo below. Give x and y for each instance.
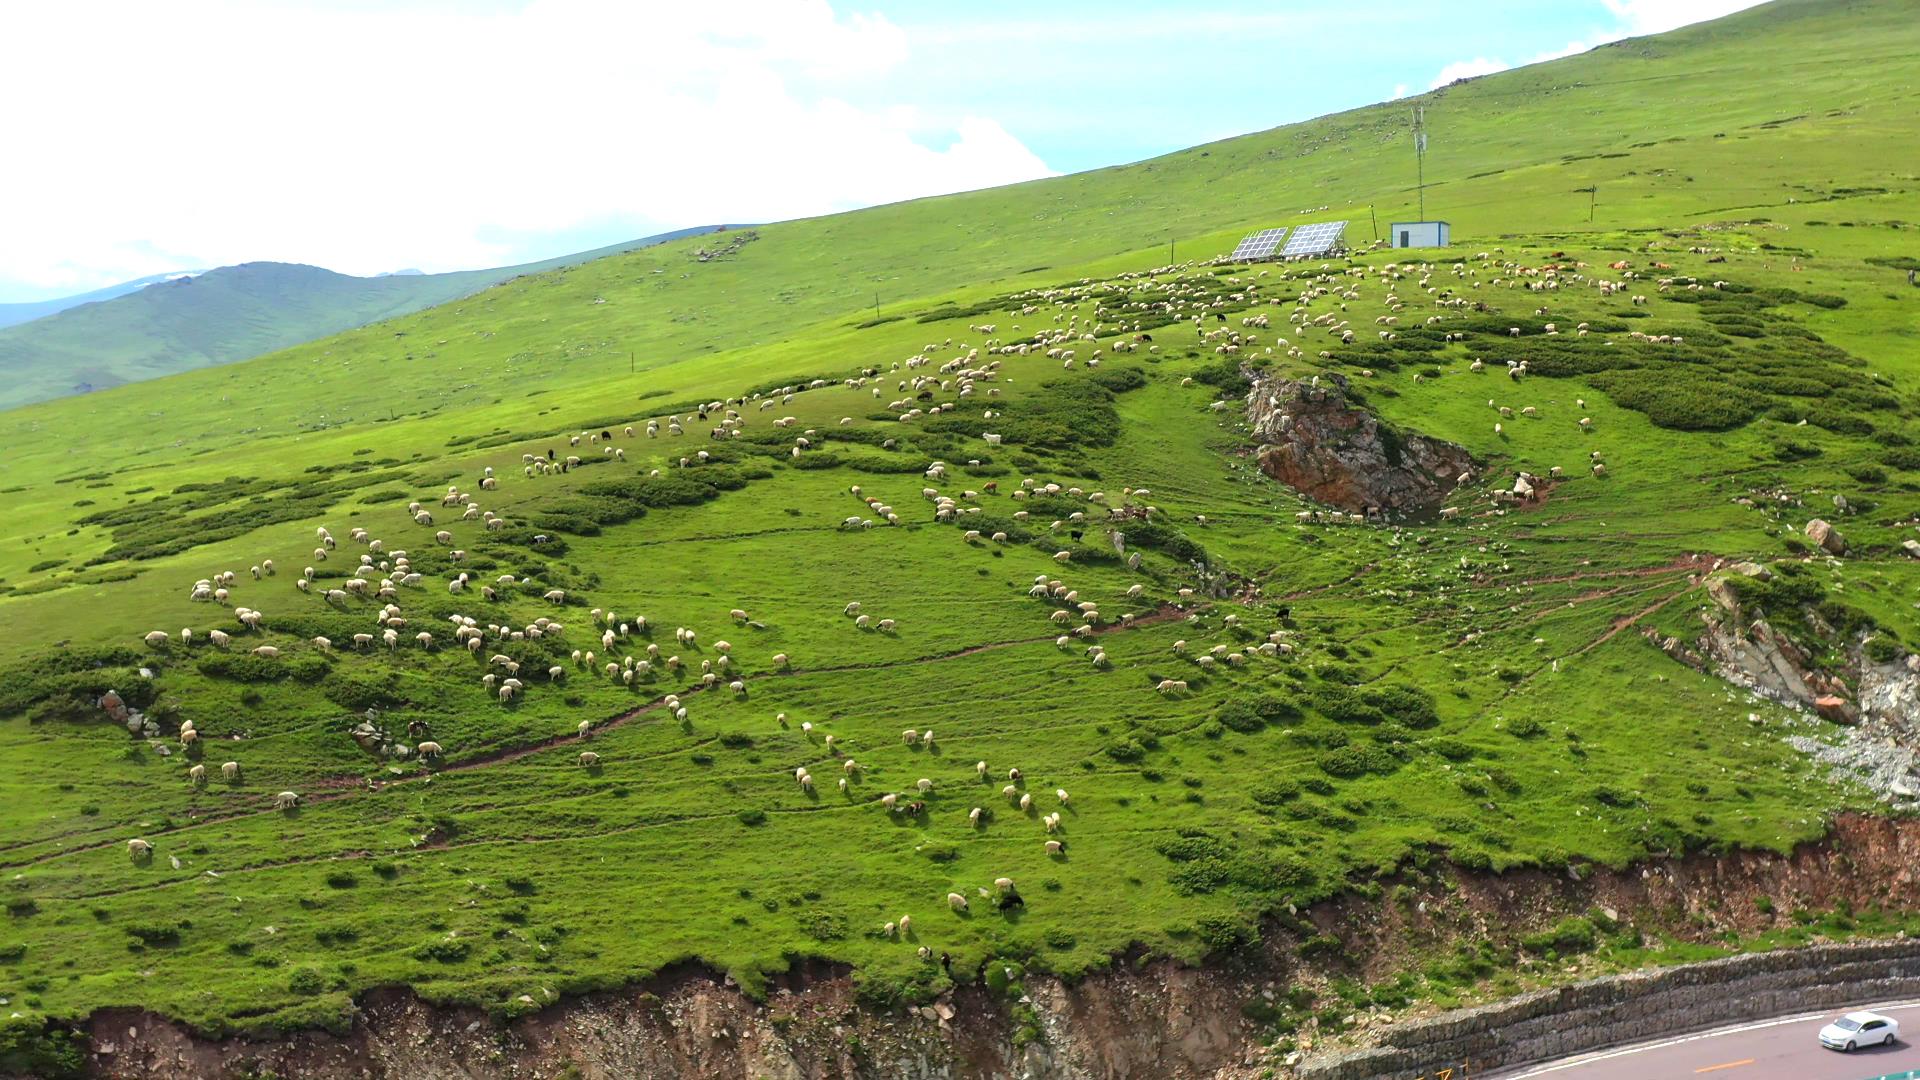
(1783, 1049)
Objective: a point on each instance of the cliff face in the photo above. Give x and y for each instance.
(1312, 439)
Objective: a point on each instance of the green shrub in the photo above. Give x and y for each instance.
(1349, 762)
(241, 667)
(1274, 792)
(1225, 935)
(155, 933)
(1904, 458)
(1836, 419)
(1573, 934)
(1252, 712)
(443, 952)
(359, 690)
(1884, 649)
(1681, 399)
(31, 1048)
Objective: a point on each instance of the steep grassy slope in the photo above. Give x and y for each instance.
(228, 314)
(1475, 690)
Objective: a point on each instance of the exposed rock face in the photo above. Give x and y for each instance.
(1314, 441)
(1881, 699)
(1155, 1020)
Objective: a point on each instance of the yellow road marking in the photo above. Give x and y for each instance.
(1728, 1065)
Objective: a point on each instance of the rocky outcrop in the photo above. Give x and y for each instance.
(1314, 440)
(1879, 700)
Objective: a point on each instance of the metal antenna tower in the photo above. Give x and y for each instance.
(1420, 154)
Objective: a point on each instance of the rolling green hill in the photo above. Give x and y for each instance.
(223, 315)
(1478, 690)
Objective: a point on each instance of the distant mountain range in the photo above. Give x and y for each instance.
(17, 313)
(176, 322)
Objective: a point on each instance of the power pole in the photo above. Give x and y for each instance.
(1593, 196)
(876, 305)
(1169, 251)
(1420, 154)
(1374, 220)
(630, 364)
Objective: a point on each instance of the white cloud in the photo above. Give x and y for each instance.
(1632, 18)
(1467, 69)
(365, 138)
(1399, 91)
(1638, 17)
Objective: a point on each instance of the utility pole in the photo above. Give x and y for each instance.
(1420, 155)
(1374, 220)
(1593, 196)
(1169, 251)
(876, 304)
(630, 363)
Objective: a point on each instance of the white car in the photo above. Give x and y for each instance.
(1857, 1029)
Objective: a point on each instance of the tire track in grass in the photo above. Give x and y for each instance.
(359, 855)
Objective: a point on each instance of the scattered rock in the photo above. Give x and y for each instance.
(1825, 535)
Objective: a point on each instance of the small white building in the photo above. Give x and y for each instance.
(1419, 234)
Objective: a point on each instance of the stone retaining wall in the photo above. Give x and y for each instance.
(1619, 1009)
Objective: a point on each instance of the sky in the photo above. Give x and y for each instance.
(375, 135)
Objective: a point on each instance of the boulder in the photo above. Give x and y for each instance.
(1825, 535)
(1911, 547)
(1834, 708)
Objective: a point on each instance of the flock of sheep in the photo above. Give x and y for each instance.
(967, 378)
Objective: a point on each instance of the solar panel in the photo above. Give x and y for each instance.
(1259, 245)
(1316, 239)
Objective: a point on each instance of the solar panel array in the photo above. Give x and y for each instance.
(1316, 239)
(1259, 245)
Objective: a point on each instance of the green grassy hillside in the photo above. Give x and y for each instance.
(223, 315)
(1476, 690)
